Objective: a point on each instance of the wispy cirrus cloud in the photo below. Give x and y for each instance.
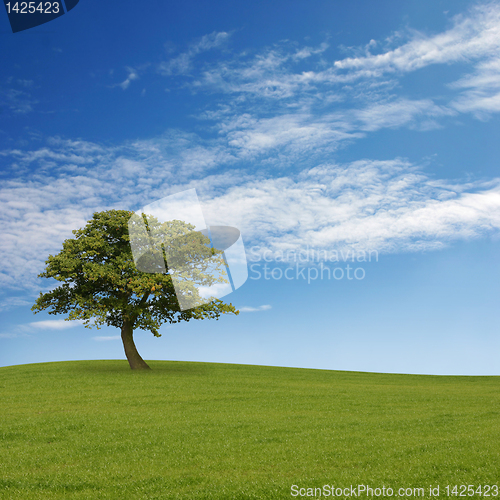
(29, 329)
(16, 100)
(54, 324)
(7, 303)
(481, 94)
(182, 63)
(294, 99)
(16, 95)
(255, 309)
(12, 335)
(397, 113)
(275, 78)
(305, 132)
(472, 36)
(285, 123)
(390, 205)
(132, 75)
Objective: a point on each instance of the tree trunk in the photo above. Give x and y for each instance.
(134, 358)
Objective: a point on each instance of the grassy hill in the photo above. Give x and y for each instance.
(96, 430)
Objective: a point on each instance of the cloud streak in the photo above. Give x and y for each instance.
(471, 37)
(183, 63)
(255, 309)
(390, 206)
(54, 324)
(16, 98)
(358, 87)
(132, 75)
(7, 303)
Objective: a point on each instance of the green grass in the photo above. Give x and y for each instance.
(97, 430)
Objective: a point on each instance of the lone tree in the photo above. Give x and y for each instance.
(102, 286)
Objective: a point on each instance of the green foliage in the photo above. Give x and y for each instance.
(97, 430)
(101, 285)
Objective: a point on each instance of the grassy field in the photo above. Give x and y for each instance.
(96, 430)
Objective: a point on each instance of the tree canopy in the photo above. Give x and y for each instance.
(101, 285)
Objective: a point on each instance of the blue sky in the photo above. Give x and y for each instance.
(310, 126)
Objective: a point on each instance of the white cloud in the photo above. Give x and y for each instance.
(16, 100)
(288, 100)
(479, 103)
(254, 309)
(473, 36)
(486, 76)
(285, 123)
(482, 94)
(396, 113)
(106, 338)
(12, 335)
(56, 188)
(25, 83)
(132, 75)
(55, 324)
(216, 290)
(267, 75)
(298, 132)
(182, 64)
(362, 91)
(271, 74)
(11, 302)
(306, 52)
(211, 41)
(387, 205)
(302, 132)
